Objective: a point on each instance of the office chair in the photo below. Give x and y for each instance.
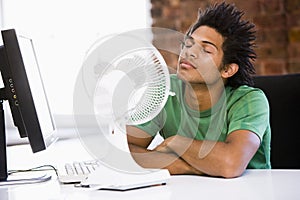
(283, 93)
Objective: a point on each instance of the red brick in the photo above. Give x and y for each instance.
(293, 20)
(272, 36)
(277, 21)
(294, 50)
(275, 67)
(171, 60)
(292, 6)
(294, 35)
(258, 67)
(293, 67)
(270, 7)
(272, 51)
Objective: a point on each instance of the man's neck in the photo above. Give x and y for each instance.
(202, 97)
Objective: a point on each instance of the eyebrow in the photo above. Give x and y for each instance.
(203, 41)
(208, 42)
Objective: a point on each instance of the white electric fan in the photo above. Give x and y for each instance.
(132, 89)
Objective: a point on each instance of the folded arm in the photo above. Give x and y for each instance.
(227, 159)
(139, 140)
(182, 155)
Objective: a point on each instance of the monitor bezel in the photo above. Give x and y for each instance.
(19, 93)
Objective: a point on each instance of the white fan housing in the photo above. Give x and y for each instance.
(133, 89)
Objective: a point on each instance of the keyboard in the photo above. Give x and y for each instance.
(77, 171)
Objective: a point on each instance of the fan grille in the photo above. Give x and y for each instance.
(149, 73)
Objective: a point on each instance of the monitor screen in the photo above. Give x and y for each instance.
(24, 90)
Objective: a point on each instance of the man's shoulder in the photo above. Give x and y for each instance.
(243, 90)
(245, 94)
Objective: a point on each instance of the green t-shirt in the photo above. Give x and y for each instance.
(243, 108)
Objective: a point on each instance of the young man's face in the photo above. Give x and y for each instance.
(201, 57)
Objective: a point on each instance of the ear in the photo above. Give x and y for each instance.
(229, 70)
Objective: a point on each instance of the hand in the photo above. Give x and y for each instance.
(175, 144)
(164, 147)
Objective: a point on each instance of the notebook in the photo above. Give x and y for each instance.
(116, 169)
(107, 178)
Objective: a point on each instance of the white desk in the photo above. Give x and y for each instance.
(254, 184)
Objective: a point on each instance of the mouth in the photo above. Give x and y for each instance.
(185, 64)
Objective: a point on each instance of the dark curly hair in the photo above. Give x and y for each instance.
(239, 37)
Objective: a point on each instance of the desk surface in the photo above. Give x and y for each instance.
(254, 184)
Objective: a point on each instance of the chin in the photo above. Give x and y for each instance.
(182, 76)
(187, 76)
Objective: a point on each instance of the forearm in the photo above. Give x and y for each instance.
(227, 159)
(154, 159)
(212, 158)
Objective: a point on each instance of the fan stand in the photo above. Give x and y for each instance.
(119, 137)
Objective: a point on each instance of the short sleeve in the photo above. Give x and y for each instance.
(250, 112)
(153, 126)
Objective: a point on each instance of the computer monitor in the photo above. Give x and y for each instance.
(24, 90)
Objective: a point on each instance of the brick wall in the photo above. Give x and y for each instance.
(277, 23)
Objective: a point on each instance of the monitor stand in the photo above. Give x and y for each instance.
(3, 159)
(4, 178)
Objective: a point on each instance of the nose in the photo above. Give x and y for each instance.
(188, 53)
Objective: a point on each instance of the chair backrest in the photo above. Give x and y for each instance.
(283, 93)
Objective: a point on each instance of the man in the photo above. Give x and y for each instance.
(217, 124)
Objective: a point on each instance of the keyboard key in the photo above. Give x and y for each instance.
(77, 171)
